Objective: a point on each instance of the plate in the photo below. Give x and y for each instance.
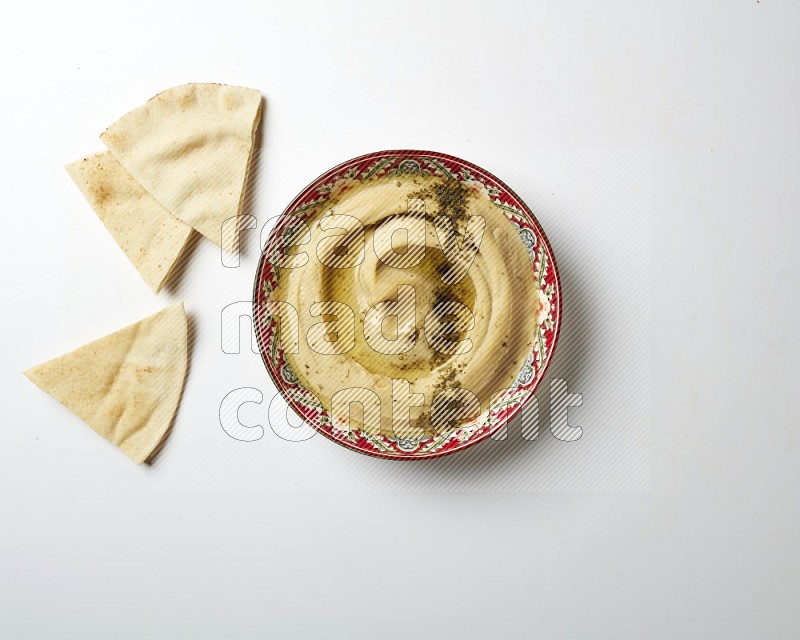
(539, 265)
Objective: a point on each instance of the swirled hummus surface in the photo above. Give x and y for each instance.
(411, 287)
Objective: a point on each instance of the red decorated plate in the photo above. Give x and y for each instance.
(407, 304)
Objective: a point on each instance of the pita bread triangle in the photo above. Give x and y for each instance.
(190, 148)
(126, 385)
(150, 236)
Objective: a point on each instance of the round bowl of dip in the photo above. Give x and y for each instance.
(407, 304)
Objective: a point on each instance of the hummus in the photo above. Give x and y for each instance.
(412, 287)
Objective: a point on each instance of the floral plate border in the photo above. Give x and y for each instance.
(543, 265)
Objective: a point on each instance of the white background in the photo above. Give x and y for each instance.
(665, 135)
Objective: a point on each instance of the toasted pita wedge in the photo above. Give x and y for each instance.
(150, 236)
(190, 147)
(127, 385)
